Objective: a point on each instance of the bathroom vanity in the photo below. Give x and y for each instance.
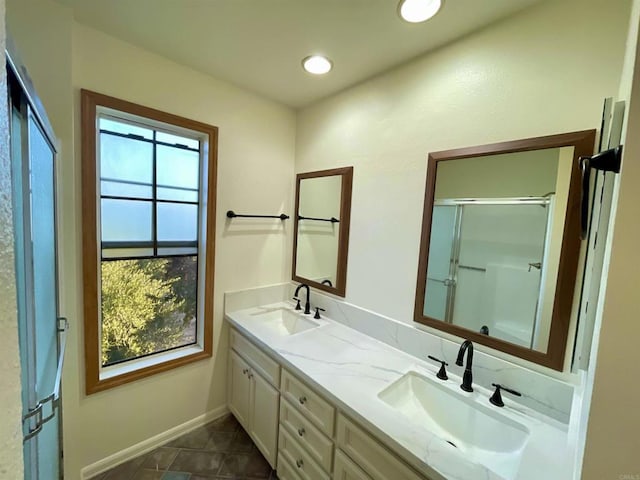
(302, 433)
(322, 400)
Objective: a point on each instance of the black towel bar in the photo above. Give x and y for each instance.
(332, 219)
(232, 214)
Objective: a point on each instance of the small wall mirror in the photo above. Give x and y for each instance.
(500, 244)
(321, 229)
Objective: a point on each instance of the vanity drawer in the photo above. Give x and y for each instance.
(300, 460)
(268, 368)
(370, 454)
(317, 444)
(285, 470)
(345, 469)
(313, 406)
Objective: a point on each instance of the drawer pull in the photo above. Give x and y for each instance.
(299, 463)
(302, 400)
(301, 431)
(244, 371)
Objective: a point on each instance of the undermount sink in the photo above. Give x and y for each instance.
(284, 321)
(482, 433)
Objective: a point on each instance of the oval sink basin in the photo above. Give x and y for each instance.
(482, 433)
(284, 321)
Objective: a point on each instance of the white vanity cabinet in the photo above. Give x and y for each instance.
(291, 423)
(253, 396)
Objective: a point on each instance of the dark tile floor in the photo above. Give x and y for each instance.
(218, 450)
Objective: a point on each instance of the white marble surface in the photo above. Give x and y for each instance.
(547, 395)
(351, 368)
(540, 392)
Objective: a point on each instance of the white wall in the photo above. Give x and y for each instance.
(256, 147)
(541, 72)
(11, 411)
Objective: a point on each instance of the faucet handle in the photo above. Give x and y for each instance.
(496, 398)
(318, 310)
(298, 307)
(442, 373)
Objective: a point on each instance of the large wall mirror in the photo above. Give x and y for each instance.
(321, 229)
(500, 244)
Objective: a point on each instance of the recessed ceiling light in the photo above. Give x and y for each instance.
(317, 64)
(416, 11)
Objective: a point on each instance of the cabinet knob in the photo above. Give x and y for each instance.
(250, 374)
(301, 431)
(244, 371)
(299, 463)
(302, 400)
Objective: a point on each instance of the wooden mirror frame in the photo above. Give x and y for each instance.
(583, 144)
(343, 235)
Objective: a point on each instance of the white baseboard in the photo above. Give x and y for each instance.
(150, 444)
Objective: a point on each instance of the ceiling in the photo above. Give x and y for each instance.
(259, 44)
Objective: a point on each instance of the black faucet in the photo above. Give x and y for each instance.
(307, 305)
(327, 282)
(467, 377)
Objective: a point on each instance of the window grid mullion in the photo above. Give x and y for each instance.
(140, 138)
(154, 194)
(141, 199)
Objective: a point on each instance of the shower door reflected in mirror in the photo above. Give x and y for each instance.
(500, 244)
(321, 231)
(486, 269)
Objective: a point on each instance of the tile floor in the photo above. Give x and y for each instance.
(218, 450)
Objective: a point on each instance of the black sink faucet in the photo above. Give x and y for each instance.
(307, 305)
(467, 377)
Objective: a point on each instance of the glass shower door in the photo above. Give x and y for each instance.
(440, 283)
(36, 278)
(499, 267)
(43, 241)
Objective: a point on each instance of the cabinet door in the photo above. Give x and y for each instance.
(265, 405)
(239, 389)
(345, 469)
(371, 455)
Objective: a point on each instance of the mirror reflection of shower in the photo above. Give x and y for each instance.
(486, 269)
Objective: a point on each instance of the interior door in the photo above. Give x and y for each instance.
(33, 157)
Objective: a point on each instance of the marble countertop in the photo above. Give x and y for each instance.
(350, 369)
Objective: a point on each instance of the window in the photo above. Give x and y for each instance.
(148, 240)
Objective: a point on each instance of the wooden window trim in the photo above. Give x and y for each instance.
(90, 101)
